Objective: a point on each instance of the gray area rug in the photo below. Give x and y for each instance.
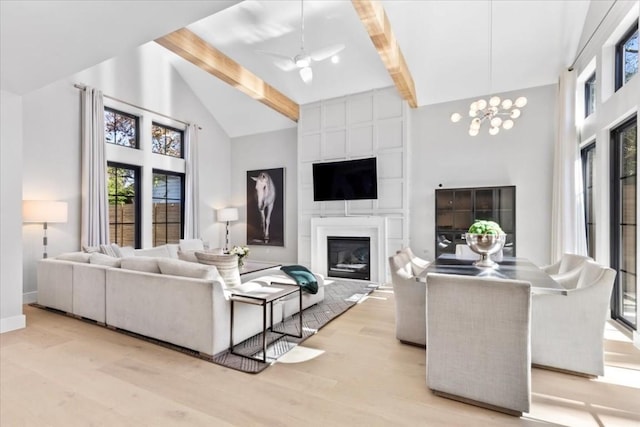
(339, 296)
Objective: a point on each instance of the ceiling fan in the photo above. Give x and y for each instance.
(303, 60)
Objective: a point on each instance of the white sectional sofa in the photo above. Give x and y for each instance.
(189, 307)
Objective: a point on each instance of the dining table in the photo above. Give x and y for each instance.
(511, 268)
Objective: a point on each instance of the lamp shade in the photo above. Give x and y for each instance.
(44, 211)
(227, 214)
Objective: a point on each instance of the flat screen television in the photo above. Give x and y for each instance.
(345, 180)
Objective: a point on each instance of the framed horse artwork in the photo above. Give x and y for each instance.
(265, 207)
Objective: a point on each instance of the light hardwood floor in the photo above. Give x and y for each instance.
(60, 371)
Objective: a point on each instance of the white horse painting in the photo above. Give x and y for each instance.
(266, 195)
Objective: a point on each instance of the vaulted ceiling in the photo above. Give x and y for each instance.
(453, 49)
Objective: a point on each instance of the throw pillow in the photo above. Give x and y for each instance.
(161, 251)
(127, 251)
(146, 264)
(102, 259)
(176, 267)
(74, 256)
(187, 256)
(227, 266)
(90, 249)
(108, 250)
(191, 245)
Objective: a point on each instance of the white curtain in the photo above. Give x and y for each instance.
(94, 218)
(191, 192)
(568, 234)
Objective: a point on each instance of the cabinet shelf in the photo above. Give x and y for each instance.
(458, 208)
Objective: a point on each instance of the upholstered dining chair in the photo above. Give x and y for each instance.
(567, 269)
(410, 297)
(567, 331)
(478, 348)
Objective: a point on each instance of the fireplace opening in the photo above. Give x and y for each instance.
(349, 257)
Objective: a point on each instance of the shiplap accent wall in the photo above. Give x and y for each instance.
(369, 124)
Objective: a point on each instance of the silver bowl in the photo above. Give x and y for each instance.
(485, 245)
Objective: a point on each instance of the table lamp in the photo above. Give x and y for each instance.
(45, 212)
(227, 215)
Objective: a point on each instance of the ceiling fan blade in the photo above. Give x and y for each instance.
(284, 62)
(326, 52)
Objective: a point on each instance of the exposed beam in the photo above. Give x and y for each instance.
(377, 24)
(189, 46)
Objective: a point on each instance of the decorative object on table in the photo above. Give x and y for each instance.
(227, 215)
(242, 252)
(265, 207)
(485, 238)
(45, 212)
(499, 113)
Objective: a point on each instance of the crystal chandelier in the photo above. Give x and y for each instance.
(498, 113)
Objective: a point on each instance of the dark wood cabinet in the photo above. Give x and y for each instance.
(458, 208)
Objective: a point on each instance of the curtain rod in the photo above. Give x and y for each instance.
(84, 87)
(591, 36)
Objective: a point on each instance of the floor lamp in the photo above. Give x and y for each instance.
(45, 212)
(227, 215)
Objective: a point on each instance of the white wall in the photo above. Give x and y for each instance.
(52, 144)
(265, 151)
(11, 316)
(442, 152)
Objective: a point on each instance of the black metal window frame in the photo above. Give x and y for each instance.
(180, 131)
(137, 212)
(131, 116)
(156, 242)
(590, 95)
(616, 216)
(587, 183)
(619, 80)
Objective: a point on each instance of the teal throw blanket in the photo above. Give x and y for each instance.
(302, 276)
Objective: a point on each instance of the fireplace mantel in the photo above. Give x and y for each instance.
(374, 227)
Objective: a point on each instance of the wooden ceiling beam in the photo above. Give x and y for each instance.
(189, 46)
(377, 24)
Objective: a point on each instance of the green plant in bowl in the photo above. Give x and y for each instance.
(485, 228)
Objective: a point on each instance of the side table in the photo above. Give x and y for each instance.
(265, 296)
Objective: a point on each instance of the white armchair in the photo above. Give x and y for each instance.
(409, 297)
(567, 331)
(567, 270)
(478, 335)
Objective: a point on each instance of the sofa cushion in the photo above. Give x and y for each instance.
(74, 256)
(141, 263)
(227, 266)
(176, 267)
(173, 250)
(191, 245)
(158, 251)
(102, 259)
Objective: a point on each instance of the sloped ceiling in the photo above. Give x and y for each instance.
(455, 49)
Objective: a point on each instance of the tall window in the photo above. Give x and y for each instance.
(624, 235)
(166, 140)
(124, 204)
(627, 57)
(588, 175)
(590, 95)
(120, 128)
(168, 208)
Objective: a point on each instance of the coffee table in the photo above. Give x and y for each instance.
(265, 296)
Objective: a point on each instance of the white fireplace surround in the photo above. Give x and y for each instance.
(373, 227)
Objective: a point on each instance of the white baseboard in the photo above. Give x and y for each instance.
(12, 323)
(30, 297)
